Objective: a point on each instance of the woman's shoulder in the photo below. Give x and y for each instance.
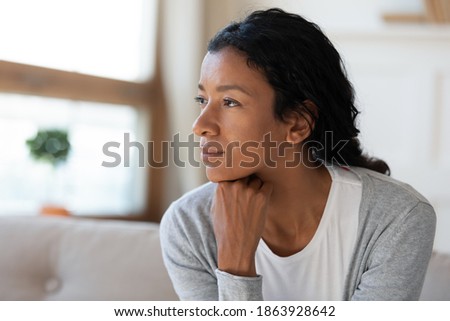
(187, 239)
(198, 198)
(391, 198)
(388, 187)
(192, 210)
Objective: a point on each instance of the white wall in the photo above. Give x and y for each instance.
(402, 79)
(182, 50)
(337, 15)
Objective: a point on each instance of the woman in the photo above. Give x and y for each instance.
(294, 210)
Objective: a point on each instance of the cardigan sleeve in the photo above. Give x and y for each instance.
(238, 288)
(398, 263)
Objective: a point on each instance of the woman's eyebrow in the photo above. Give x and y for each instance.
(223, 88)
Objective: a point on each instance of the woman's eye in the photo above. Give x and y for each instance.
(200, 100)
(230, 102)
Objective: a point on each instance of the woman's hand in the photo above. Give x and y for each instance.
(239, 214)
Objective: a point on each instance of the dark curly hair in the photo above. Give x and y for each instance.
(302, 65)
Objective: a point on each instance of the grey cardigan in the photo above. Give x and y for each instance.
(394, 243)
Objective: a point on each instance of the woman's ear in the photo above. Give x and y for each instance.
(301, 123)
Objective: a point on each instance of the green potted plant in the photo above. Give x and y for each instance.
(51, 146)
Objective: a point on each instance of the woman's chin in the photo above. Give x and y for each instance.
(217, 175)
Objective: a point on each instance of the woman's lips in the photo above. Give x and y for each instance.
(210, 151)
(206, 156)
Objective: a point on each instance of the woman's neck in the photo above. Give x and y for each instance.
(296, 207)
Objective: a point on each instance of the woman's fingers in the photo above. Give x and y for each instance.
(266, 189)
(239, 216)
(254, 182)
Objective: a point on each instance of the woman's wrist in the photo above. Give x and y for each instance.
(241, 265)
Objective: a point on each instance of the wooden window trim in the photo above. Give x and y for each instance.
(41, 81)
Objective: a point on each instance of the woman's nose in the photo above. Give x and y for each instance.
(206, 123)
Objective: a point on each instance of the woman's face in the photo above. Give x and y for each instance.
(237, 113)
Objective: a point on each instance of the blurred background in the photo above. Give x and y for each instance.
(97, 70)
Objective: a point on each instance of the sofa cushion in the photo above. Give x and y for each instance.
(50, 258)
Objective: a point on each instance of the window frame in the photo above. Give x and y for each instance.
(34, 80)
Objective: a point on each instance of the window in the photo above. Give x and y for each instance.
(84, 67)
(113, 39)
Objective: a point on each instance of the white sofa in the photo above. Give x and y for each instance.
(50, 258)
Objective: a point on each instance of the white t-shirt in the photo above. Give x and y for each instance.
(318, 271)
